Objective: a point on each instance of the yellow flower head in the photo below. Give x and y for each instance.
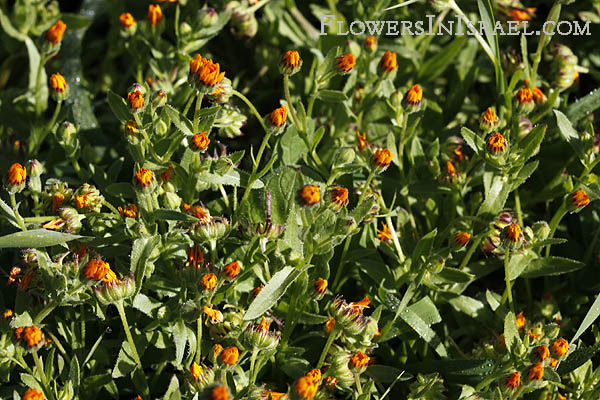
(130, 211)
(513, 233)
(209, 73)
(144, 177)
(382, 157)
(232, 270)
(305, 388)
(196, 63)
(264, 324)
(345, 62)
(7, 314)
(209, 281)
(126, 20)
(314, 375)
(462, 238)
(16, 174)
(310, 194)
(321, 285)
(155, 14)
(200, 141)
(135, 99)
(58, 83)
(196, 371)
(389, 64)
(560, 347)
(580, 199)
(536, 372)
(32, 335)
(32, 394)
(56, 32)
(230, 355)
(496, 143)
(82, 200)
(339, 196)
(543, 352)
(384, 234)
(278, 116)
(360, 360)
(514, 380)
(490, 116)
(524, 95)
(290, 62)
(131, 127)
(414, 96)
(331, 381)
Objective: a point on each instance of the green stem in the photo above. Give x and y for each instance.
(111, 207)
(198, 338)
(252, 109)
(40, 368)
(486, 48)
(121, 310)
(38, 79)
(13, 202)
(476, 241)
(507, 280)
(357, 381)
(253, 175)
(288, 98)
(197, 112)
(54, 116)
(328, 343)
(537, 57)
(188, 105)
(518, 207)
(340, 268)
(401, 144)
(44, 312)
(555, 221)
(252, 367)
(290, 319)
(590, 249)
(366, 186)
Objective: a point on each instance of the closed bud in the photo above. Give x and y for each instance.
(35, 168)
(489, 120)
(344, 155)
(159, 99)
(370, 44)
(388, 66)
(541, 230)
(243, 23)
(524, 101)
(60, 89)
(222, 92)
(207, 16)
(185, 29)
(440, 5)
(215, 229)
(563, 67)
(412, 99)
(230, 122)
(115, 291)
(276, 120)
(72, 220)
(290, 63)
(128, 25)
(88, 199)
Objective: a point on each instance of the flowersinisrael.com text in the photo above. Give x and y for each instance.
(451, 27)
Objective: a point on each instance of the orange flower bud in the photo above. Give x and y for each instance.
(321, 285)
(388, 63)
(339, 196)
(155, 14)
(496, 143)
(462, 238)
(230, 355)
(56, 32)
(135, 99)
(130, 211)
(580, 199)
(310, 194)
(144, 177)
(536, 372)
(382, 157)
(360, 360)
(58, 83)
(232, 270)
(278, 116)
(200, 141)
(16, 174)
(314, 375)
(32, 394)
(209, 281)
(32, 335)
(543, 352)
(514, 380)
(126, 20)
(305, 388)
(384, 234)
(560, 347)
(345, 62)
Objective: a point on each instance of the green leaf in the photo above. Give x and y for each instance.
(437, 64)
(173, 215)
(548, 266)
(180, 339)
(36, 238)
(423, 249)
(474, 141)
(423, 330)
(233, 177)
(317, 138)
(332, 96)
(119, 107)
(496, 194)
(584, 106)
(181, 122)
(75, 374)
(577, 358)
(511, 333)
(589, 319)
(173, 392)
(570, 135)
(207, 118)
(140, 253)
(530, 144)
(272, 292)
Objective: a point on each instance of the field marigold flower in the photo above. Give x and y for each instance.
(330, 324)
(130, 211)
(216, 317)
(58, 83)
(232, 270)
(538, 96)
(310, 194)
(513, 233)
(345, 63)
(560, 347)
(580, 199)
(196, 63)
(462, 239)
(489, 120)
(209, 281)
(290, 62)
(32, 335)
(524, 100)
(521, 14)
(96, 269)
(362, 140)
(360, 360)
(195, 256)
(543, 352)
(339, 196)
(32, 394)
(7, 314)
(278, 116)
(382, 157)
(144, 177)
(384, 234)
(413, 98)
(388, 64)
(520, 319)
(536, 372)
(257, 290)
(17, 174)
(331, 381)
(359, 306)
(496, 143)
(155, 14)
(514, 380)
(135, 100)
(196, 371)
(200, 141)
(314, 375)
(230, 355)
(56, 32)
(217, 349)
(19, 332)
(321, 285)
(126, 20)
(131, 127)
(210, 74)
(371, 44)
(305, 388)
(219, 393)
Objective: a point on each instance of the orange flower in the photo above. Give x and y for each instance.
(388, 64)
(310, 194)
(314, 375)
(131, 127)
(321, 285)
(217, 349)
(32, 394)
(126, 20)
(361, 305)
(561, 397)
(196, 63)
(331, 381)
(524, 95)
(195, 256)
(538, 96)
(345, 62)
(135, 99)
(278, 116)
(329, 324)
(232, 270)
(32, 336)
(16, 174)
(19, 332)
(264, 324)
(82, 200)
(57, 201)
(210, 73)
(384, 234)
(200, 141)
(462, 238)
(371, 43)
(382, 157)
(305, 388)
(155, 14)
(96, 269)
(450, 168)
(553, 362)
(536, 372)
(496, 143)
(165, 176)
(209, 281)
(273, 395)
(521, 14)
(339, 196)
(144, 177)
(7, 314)
(219, 393)
(513, 233)
(560, 347)
(543, 352)
(290, 62)
(216, 316)
(257, 290)
(360, 360)
(580, 199)
(362, 140)
(58, 83)
(230, 355)
(56, 32)
(489, 116)
(130, 211)
(414, 95)
(514, 380)
(520, 321)
(196, 371)
(197, 211)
